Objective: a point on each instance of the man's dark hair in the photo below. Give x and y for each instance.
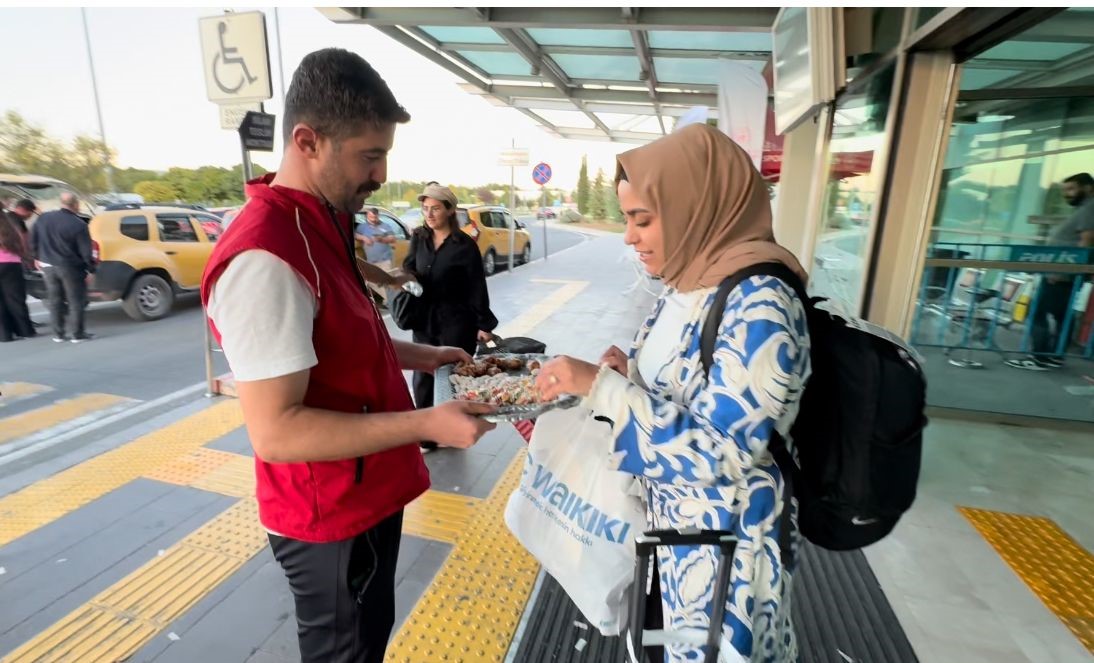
(26, 204)
(1082, 179)
(335, 91)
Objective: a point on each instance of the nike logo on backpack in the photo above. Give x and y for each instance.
(863, 521)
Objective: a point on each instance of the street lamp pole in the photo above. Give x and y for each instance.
(98, 106)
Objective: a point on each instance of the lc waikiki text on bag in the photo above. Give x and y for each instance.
(579, 517)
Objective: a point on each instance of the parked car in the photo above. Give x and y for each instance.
(145, 256)
(489, 225)
(546, 213)
(412, 218)
(44, 191)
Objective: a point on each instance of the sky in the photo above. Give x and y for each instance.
(156, 115)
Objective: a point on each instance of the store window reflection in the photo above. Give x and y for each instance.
(856, 155)
(1004, 312)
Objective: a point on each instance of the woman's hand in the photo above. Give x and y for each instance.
(565, 375)
(485, 336)
(615, 359)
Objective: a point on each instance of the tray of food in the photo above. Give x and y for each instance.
(505, 380)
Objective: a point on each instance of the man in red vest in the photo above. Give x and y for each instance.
(320, 380)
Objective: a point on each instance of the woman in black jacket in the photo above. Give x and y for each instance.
(447, 262)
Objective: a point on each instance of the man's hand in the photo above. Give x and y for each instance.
(454, 423)
(400, 278)
(449, 355)
(615, 359)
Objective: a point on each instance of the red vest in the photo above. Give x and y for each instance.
(358, 371)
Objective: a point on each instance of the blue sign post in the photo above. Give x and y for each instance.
(541, 175)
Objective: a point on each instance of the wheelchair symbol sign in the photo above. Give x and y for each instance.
(235, 57)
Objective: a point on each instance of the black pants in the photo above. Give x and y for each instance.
(1052, 299)
(460, 337)
(345, 593)
(14, 316)
(67, 290)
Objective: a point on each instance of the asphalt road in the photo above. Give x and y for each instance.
(144, 360)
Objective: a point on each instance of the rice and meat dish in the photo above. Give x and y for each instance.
(487, 380)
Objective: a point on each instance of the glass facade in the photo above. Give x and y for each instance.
(1003, 313)
(841, 257)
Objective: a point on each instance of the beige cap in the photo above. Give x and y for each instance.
(438, 192)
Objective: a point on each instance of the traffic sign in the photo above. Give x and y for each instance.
(541, 174)
(513, 157)
(257, 131)
(231, 115)
(235, 57)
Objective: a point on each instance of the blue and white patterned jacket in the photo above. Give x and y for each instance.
(700, 446)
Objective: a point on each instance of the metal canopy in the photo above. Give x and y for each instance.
(589, 73)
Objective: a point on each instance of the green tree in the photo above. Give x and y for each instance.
(615, 214)
(598, 206)
(583, 192)
(154, 191)
(485, 195)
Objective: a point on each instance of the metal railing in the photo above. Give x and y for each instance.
(994, 297)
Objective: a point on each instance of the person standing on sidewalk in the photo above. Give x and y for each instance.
(21, 214)
(378, 241)
(61, 243)
(319, 378)
(15, 320)
(447, 262)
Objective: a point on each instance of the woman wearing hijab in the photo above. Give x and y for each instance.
(447, 263)
(697, 212)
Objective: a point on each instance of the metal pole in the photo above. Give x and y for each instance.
(210, 379)
(512, 212)
(542, 193)
(98, 107)
(248, 168)
(280, 61)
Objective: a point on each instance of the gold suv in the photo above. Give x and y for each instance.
(145, 255)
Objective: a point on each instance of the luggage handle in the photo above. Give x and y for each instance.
(646, 545)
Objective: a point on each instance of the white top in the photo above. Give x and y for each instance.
(264, 312)
(666, 334)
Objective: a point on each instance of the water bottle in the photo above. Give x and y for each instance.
(414, 288)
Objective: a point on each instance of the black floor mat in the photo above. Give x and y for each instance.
(838, 606)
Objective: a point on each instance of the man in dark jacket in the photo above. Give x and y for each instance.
(21, 213)
(61, 243)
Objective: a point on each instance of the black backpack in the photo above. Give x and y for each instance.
(859, 430)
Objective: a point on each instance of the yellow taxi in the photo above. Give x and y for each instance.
(489, 225)
(146, 255)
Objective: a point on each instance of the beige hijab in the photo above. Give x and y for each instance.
(714, 208)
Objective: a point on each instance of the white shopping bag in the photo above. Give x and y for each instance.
(579, 517)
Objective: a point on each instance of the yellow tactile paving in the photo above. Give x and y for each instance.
(1058, 570)
(19, 425)
(14, 391)
(47, 500)
(124, 617)
(439, 516)
(208, 469)
(471, 610)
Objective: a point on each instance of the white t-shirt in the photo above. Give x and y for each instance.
(665, 336)
(264, 312)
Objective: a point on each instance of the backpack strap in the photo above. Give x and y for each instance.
(708, 340)
(712, 325)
